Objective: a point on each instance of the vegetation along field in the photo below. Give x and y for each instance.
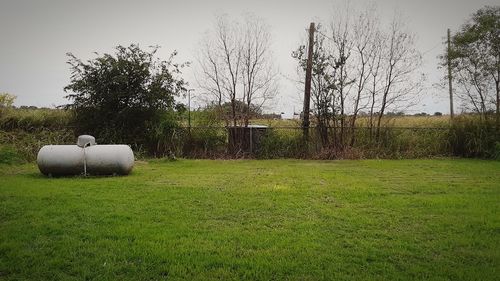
(255, 220)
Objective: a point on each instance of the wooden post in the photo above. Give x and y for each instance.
(189, 109)
(449, 74)
(307, 90)
(251, 140)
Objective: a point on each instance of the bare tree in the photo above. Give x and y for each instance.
(236, 66)
(375, 65)
(366, 48)
(361, 66)
(400, 62)
(220, 63)
(259, 74)
(341, 29)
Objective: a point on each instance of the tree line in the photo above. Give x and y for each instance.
(360, 65)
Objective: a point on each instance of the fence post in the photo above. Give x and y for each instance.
(251, 141)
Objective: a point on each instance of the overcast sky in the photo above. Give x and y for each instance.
(35, 35)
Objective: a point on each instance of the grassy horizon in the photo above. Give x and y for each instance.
(255, 220)
(25, 118)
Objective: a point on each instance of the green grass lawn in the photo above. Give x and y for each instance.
(255, 220)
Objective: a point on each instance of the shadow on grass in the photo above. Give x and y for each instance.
(35, 175)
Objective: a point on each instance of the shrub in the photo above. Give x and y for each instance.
(9, 155)
(497, 150)
(28, 143)
(126, 97)
(205, 142)
(281, 144)
(472, 136)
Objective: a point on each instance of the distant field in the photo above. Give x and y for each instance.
(255, 220)
(57, 118)
(411, 121)
(389, 121)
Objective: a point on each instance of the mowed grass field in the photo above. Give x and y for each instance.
(255, 220)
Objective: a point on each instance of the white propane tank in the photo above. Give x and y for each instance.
(88, 158)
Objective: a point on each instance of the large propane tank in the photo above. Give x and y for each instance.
(85, 158)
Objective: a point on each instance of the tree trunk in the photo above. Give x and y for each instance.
(233, 111)
(342, 123)
(497, 87)
(371, 117)
(498, 109)
(380, 115)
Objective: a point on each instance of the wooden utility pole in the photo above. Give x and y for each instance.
(307, 90)
(448, 55)
(189, 109)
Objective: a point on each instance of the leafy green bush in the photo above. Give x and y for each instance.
(126, 97)
(164, 135)
(205, 142)
(471, 136)
(411, 143)
(281, 144)
(206, 138)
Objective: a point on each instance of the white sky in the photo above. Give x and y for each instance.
(35, 35)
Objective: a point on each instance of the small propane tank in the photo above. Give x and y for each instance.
(85, 158)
